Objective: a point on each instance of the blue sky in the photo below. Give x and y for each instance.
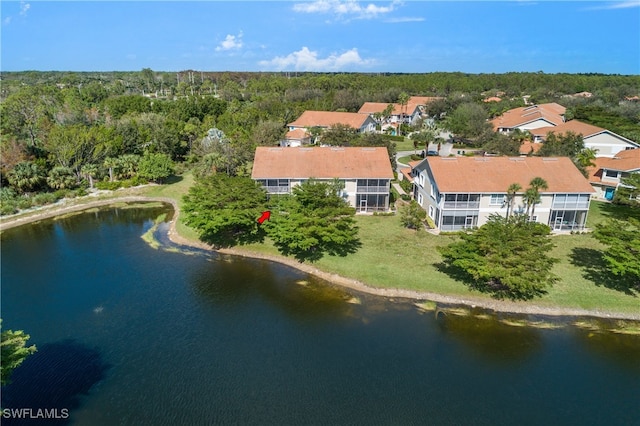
(323, 35)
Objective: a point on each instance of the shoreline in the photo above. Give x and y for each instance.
(350, 283)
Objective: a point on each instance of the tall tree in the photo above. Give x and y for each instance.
(26, 176)
(155, 166)
(512, 191)
(13, 352)
(224, 209)
(312, 222)
(506, 257)
(622, 254)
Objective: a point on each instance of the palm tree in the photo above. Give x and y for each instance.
(511, 197)
(25, 176)
(403, 100)
(90, 171)
(536, 184)
(62, 178)
(111, 163)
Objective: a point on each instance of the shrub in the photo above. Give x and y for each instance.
(8, 207)
(108, 186)
(44, 198)
(23, 203)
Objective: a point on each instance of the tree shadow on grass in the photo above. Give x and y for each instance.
(55, 377)
(595, 269)
(495, 289)
(617, 211)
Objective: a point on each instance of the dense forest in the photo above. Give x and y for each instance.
(65, 132)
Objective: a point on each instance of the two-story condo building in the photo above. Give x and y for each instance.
(362, 123)
(365, 173)
(605, 176)
(462, 192)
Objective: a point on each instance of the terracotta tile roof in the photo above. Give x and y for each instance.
(495, 174)
(625, 161)
(492, 99)
(297, 134)
(552, 112)
(373, 107)
(413, 103)
(575, 126)
(527, 147)
(406, 172)
(321, 163)
(329, 118)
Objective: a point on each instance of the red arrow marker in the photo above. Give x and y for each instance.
(265, 216)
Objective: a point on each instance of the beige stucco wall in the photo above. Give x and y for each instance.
(607, 144)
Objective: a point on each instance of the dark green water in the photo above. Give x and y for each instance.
(128, 334)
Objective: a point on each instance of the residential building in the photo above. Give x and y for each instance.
(529, 118)
(607, 173)
(409, 113)
(462, 192)
(605, 142)
(296, 137)
(365, 173)
(362, 123)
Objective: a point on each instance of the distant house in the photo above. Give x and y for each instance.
(492, 99)
(296, 137)
(409, 113)
(607, 173)
(365, 173)
(607, 143)
(362, 123)
(462, 192)
(529, 118)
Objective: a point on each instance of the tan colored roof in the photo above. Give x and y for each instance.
(412, 104)
(625, 161)
(528, 147)
(297, 134)
(575, 126)
(493, 99)
(551, 112)
(322, 163)
(406, 172)
(329, 118)
(495, 174)
(373, 107)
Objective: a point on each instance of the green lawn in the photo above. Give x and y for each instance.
(600, 211)
(394, 257)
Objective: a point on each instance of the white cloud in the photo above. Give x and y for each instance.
(617, 5)
(402, 20)
(230, 42)
(308, 60)
(345, 9)
(24, 8)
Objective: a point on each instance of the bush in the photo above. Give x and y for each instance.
(8, 207)
(44, 198)
(108, 186)
(23, 203)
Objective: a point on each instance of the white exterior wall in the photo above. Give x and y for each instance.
(542, 210)
(607, 144)
(535, 125)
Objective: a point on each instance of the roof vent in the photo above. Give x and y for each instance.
(306, 149)
(337, 148)
(275, 149)
(368, 149)
(446, 158)
(549, 159)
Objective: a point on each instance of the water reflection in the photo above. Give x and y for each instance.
(57, 376)
(231, 281)
(490, 338)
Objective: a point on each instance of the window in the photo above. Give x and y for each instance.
(431, 212)
(433, 191)
(421, 180)
(496, 199)
(420, 199)
(611, 173)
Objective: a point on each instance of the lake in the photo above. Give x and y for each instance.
(136, 335)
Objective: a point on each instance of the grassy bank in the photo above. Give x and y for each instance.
(394, 257)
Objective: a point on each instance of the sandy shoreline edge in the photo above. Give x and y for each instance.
(174, 236)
